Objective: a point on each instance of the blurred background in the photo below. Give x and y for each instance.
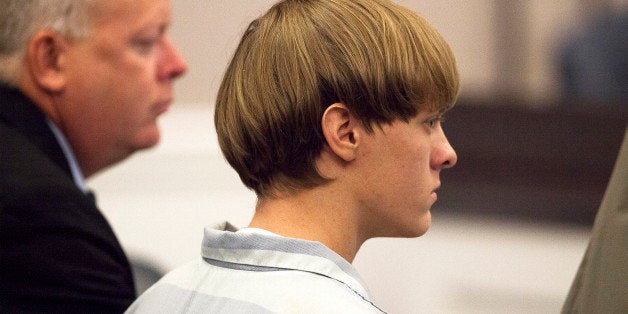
(537, 128)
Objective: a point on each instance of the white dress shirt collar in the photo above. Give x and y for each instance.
(77, 175)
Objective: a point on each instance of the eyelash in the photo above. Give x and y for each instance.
(433, 122)
(145, 45)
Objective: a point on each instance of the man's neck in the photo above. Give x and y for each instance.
(315, 215)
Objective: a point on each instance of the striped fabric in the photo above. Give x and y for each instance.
(255, 271)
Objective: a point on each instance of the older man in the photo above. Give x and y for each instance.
(82, 85)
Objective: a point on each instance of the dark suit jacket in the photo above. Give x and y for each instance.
(57, 251)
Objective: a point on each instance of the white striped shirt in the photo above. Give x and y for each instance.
(255, 271)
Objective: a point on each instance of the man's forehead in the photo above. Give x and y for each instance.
(106, 10)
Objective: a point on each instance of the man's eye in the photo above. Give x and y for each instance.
(432, 123)
(145, 45)
(435, 121)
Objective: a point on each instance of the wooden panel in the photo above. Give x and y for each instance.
(532, 164)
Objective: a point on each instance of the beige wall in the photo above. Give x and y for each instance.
(208, 31)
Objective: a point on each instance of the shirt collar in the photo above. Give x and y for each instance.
(264, 250)
(77, 175)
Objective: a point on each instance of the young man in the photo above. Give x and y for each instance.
(82, 83)
(330, 111)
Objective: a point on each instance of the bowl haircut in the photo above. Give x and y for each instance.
(381, 60)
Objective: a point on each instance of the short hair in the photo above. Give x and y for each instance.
(381, 60)
(21, 19)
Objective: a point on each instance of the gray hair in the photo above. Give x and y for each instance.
(21, 19)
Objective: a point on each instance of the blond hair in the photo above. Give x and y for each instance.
(383, 61)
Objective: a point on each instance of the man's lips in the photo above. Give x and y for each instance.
(434, 195)
(162, 106)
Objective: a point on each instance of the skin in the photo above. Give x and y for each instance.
(383, 183)
(401, 163)
(106, 91)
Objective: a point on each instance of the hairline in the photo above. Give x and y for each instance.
(71, 24)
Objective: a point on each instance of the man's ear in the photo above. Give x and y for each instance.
(44, 57)
(342, 131)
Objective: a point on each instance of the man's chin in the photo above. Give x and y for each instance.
(423, 225)
(146, 140)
